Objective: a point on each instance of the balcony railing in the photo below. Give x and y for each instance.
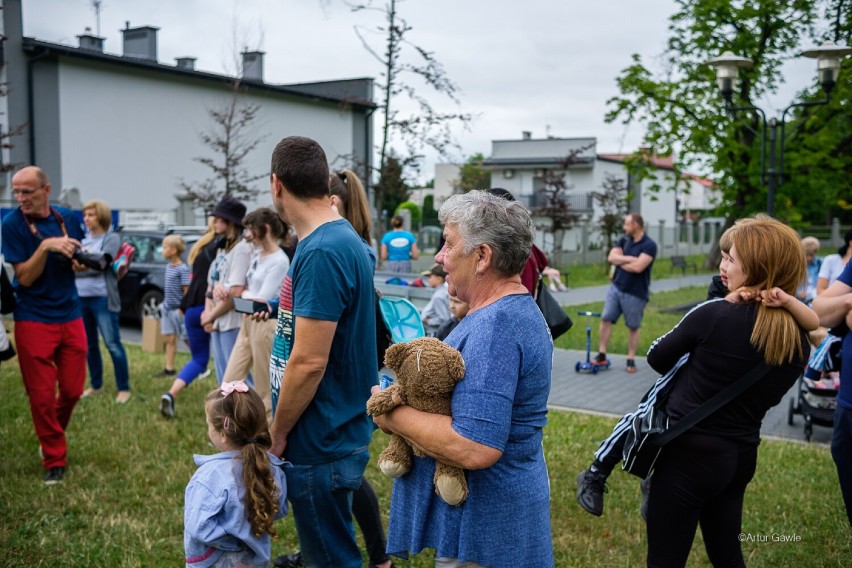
(579, 202)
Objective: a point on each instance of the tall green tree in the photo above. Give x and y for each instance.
(430, 214)
(472, 176)
(392, 187)
(818, 156)
(682, 109)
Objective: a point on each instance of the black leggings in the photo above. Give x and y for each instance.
(699, 479)
(365, 509)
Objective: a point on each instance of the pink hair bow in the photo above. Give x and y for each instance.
(238, 386)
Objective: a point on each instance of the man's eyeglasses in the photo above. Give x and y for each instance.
(25, 192)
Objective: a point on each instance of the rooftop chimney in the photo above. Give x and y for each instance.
(253, 65)
(91, 42)
(140, 42)
(526, 135)
(187, 63)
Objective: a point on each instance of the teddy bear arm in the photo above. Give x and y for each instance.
(382, 401)
(395, 460)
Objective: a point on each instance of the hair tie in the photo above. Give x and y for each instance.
(226, 423)
(238, 386)
(254, 440)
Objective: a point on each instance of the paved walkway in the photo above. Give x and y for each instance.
(614, 392)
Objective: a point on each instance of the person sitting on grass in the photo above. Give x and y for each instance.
(235, 496)
(176, 285)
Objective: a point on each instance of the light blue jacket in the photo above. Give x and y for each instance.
(215, 519)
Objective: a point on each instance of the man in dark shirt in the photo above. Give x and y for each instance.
(39, 242)
(632, 257)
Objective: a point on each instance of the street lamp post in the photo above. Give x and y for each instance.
(828, 57)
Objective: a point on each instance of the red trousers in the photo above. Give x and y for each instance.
(52, 355)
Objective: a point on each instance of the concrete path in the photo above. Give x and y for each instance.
(615, 392)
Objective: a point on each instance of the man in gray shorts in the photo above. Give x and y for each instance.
(632, 257)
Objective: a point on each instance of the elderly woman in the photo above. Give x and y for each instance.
(499, 408)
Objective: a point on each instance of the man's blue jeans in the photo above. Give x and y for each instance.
(96, 316)
(321, 499)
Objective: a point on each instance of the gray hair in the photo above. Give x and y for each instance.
(482, 218)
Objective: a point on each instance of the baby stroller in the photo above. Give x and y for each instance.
(816, 390)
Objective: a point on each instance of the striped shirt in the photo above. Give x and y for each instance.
(177, 276)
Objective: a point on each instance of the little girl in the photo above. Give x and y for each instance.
(235, 496)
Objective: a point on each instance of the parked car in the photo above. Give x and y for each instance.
(141, 290)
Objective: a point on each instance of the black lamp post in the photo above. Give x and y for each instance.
(828, 57)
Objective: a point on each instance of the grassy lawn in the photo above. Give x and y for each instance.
(655, 322)
(580, 275)
(122, 500)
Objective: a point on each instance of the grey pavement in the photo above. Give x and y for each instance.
(614, 392)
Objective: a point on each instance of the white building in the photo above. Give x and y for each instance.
(126, 128)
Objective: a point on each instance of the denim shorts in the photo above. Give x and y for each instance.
(617, 303)
(172, 323)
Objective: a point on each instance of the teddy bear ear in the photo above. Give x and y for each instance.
(395, 355)
(455, 365)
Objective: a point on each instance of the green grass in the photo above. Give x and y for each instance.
(655, 322)
(581, 275)
(122, 500)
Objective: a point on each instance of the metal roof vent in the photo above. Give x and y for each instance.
(253, 65)
(90, 41)
(140, 42)
(187, 63)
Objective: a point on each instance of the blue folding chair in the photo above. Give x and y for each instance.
(401, 318)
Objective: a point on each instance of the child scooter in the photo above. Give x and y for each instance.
(590, 366)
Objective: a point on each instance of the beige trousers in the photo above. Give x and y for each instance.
(251, 353)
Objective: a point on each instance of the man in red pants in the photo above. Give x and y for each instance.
(39, 241)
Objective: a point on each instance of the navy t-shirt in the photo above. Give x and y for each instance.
(330, 279)
(52, 298)
(631, 282)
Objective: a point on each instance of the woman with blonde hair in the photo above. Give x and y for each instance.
(701, 477)
(98, 291)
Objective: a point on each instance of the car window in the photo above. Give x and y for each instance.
(148, 249)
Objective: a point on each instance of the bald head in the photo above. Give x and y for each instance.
(31, 188)
(32, 172)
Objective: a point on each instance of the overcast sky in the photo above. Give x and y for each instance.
(546, 66)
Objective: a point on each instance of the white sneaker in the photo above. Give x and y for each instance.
(203, 375)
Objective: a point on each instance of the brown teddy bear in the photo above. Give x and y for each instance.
(427, 371)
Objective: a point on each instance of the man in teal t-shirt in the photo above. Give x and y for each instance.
(319, 374)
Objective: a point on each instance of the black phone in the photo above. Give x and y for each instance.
(245, 306)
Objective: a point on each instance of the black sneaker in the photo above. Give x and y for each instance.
(167, 405)
(166, 373)
(7, 353)
(289, 560)
(601, 358)
(631, 366)
(591, 485)
(54, 475)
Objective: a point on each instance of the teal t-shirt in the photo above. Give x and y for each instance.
(330, 279)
